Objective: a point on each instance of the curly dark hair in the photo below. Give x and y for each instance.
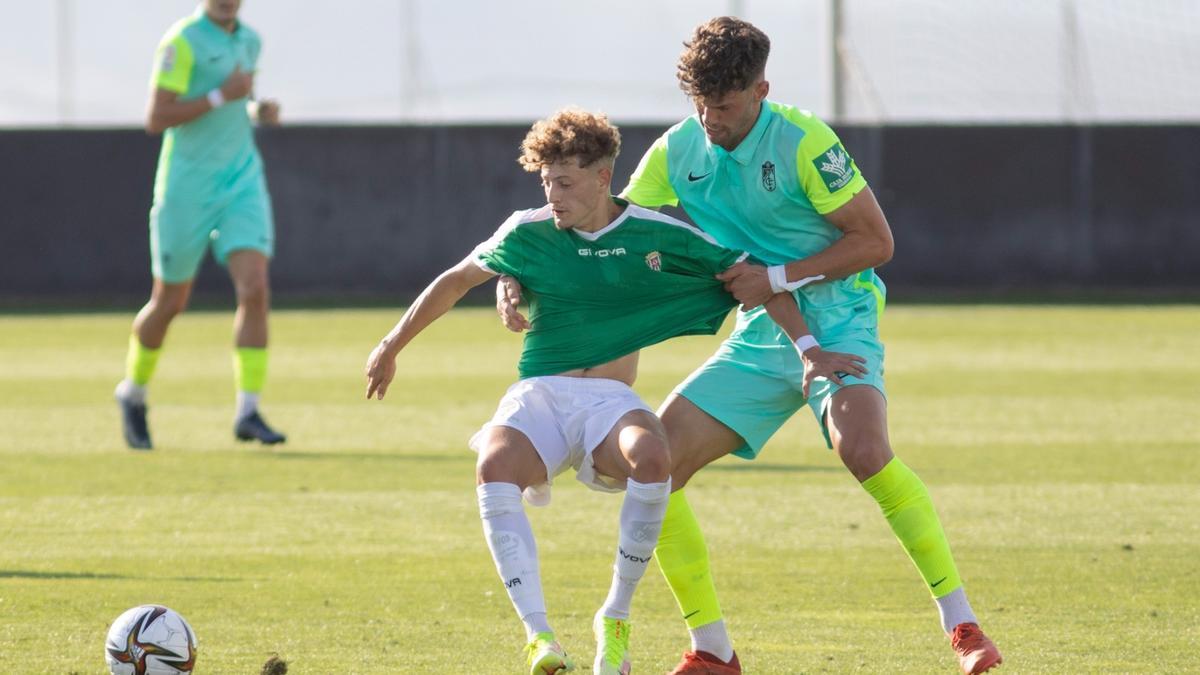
(568, 133)
(725, 54)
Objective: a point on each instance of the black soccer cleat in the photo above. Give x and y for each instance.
(133, 422)
(254, 428)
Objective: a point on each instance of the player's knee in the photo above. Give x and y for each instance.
(864, 455)
(650, 459)
(169, 305)
(495, 466)
(254, 292)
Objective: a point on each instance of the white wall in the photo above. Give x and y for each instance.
(385, 61)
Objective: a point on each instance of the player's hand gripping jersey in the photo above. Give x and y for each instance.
(597, 296)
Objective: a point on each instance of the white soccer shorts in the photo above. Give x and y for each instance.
(565, 418)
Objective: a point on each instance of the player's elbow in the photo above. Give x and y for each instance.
(884, 248)
(154, 125)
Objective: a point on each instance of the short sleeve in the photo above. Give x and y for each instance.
(173, 64)
(502, 253)
(650, 184)
(828, 174)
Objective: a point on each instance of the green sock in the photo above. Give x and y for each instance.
(682, 556)
(140, 361)
(250, 369)
(906, 504)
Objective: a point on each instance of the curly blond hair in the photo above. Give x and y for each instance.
(570, 132)
(725, 54)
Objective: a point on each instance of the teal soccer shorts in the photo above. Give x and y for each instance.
(752, 384)
(182, 229)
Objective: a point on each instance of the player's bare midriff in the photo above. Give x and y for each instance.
(623, 369)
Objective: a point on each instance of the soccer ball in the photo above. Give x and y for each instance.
(150, 640)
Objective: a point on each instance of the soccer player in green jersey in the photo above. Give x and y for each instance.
(210, 191)
(774, 181)
(606, 278)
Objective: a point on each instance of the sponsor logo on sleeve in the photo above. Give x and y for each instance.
(836, 167)
(168, 59)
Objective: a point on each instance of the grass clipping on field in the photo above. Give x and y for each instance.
(274, 666)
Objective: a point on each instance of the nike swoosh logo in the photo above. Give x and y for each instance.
(688, 616)
(935, 584)
(693, 178)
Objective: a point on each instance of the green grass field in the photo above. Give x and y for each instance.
(1061, 445)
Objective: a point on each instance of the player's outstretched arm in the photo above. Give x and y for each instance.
(817, 362)
(437, 299)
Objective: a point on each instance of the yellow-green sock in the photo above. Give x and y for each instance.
(250, 369)
(682, 557)
(140, 361)
(907, 507)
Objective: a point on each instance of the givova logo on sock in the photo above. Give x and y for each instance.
(836, 167)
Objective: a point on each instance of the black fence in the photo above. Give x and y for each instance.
(379, 211)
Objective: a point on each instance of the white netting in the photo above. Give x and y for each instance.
(1021, 60)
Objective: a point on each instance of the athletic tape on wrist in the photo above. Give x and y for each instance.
(805, 343)
(215, 98)
(777, 275)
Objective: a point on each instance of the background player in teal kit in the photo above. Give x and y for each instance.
(775, 181)
(210, 191)
(607, 278)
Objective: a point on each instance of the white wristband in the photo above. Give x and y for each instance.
(215, 98)
(805, 343)
(777, 275)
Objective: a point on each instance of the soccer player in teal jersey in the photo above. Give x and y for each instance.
(606, 279)
(776, 182)
(210, 191)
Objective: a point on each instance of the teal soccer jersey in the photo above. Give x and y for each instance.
(768, 197)
(209, 188)
(597, 296)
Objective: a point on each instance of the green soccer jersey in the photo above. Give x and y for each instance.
(216, 151)
(767, 197)
(597, 296)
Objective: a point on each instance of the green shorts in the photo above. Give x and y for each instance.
(183, 227)
(752, 384)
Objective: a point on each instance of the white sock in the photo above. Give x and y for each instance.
(712, 638)
(510, 539)
(247, 403)
(130, 392)
(641, 521)
(955, 609)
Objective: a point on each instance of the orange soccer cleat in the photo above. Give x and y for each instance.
(976, 653)
(703, 663)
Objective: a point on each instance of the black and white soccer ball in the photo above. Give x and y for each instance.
(150, 640)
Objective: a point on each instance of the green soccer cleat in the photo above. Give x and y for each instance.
(612, 646)
(546, 657)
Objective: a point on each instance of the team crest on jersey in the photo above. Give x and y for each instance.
(168, 59)
(768, 176)
(836, 167)
(654, 261)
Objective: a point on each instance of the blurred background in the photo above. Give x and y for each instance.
(1024, 147)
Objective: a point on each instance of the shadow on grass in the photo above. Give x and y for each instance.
(765, 467)
(31, 574)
